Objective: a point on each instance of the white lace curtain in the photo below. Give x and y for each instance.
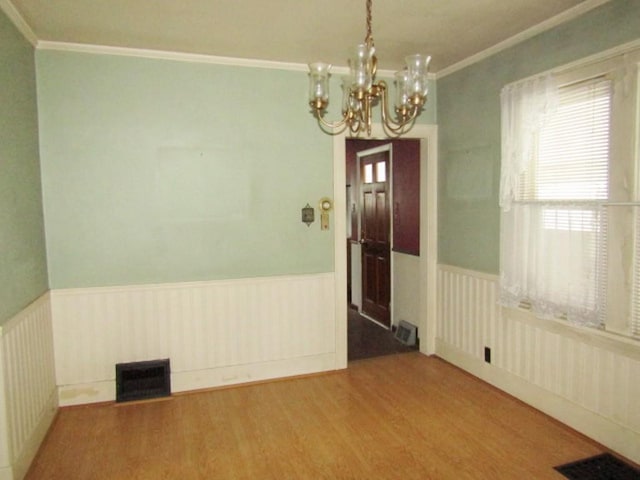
(525, 107)
(550, 260)
(549, 250)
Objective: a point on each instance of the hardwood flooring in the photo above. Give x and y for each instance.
(401, 416)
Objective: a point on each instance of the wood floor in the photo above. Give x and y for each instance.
(402, 416)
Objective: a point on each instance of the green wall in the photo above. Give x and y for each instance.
(469, 127)
(23, 265)
(165, 171)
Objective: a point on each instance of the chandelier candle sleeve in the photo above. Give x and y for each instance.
(418, 67)
(361, 64)
(319, 85)
(402, 90)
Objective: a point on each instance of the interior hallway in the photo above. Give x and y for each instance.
(365, 339)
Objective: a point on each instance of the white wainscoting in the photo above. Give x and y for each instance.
(28, 396)
(215, 333)
(587, 379)
(405, 282)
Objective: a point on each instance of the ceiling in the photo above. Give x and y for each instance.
(295, 31)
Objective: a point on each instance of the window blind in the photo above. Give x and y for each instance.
(572, 161)
(570, 177)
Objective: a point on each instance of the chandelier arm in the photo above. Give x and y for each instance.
(338, 124)
(332, 128)
(404, 128)
(405, 125)
(361, 118)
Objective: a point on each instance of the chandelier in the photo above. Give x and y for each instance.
(361, 92)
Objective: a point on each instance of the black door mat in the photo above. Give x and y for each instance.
(601, 467)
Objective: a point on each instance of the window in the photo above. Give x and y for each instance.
(380, 172)
(570, 232)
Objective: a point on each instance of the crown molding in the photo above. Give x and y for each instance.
(191, 57)
(531, 32)
(167, 55)
(23, 27)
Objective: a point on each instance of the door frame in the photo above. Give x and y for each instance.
(427, 321)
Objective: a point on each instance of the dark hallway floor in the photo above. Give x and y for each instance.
(366, 339)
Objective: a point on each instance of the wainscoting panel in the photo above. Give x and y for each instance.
(29, 388)
(585, 378)
(203, 327)
(467, 310)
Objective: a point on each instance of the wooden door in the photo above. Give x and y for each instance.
(375, 235)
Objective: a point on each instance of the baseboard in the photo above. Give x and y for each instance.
(239, 374)
(23, 462)
(615, 436)
(105, 391)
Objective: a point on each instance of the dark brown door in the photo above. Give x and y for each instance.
(375, 236)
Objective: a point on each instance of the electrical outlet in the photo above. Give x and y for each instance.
(487, 354)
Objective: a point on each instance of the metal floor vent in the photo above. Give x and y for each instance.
(143, 380)
(406, 333)
(600, 467)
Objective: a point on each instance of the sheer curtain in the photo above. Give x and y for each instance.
(551, 260)
(553, 230)
(525, 107)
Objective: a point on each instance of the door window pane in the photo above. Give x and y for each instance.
(368, 173)
(381, 172)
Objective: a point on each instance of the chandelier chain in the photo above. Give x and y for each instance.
(369, 38)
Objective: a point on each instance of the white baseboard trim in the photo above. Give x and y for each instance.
(239, 374)
(610, 434)
(23, 462)
(105, 391)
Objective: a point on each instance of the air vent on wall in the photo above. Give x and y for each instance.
(143, 380)
(406, 333)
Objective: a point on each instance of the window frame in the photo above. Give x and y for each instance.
(622, 287)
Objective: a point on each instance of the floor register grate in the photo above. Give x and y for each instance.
(600, 467)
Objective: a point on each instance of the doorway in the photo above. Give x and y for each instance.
(383, 244)
(427, 270)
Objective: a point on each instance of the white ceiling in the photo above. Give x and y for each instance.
(296, 31)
